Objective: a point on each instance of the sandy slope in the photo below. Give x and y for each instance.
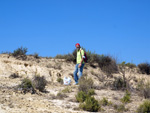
(12, 101)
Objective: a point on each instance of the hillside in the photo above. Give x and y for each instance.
(14, 101)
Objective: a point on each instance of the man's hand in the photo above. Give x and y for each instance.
(80, 65)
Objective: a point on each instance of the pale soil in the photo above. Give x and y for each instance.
(13, 101)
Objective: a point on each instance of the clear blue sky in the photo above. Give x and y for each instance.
(120, 28)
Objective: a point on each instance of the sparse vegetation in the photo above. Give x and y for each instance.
(57, 66)
(85, 92)
(144, 68)
(92, 57)
(6, 52)
(130, 65)
(144, 108)
(87, 102)
(67, 90)
(61, 95)
(14, 75)
(49, 66)
(20, 51)
(39, 83)
(144, 88)
(105, 102)
(126, 98)
(108, 64)
(91, 92)
(68, 57)
(100, 76)
(85, 84)
(119, 83)
(26, 86)
(36, 55)
(60, 80)
(120, 108)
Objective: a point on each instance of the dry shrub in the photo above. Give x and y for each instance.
(20, 53)
(119, 83)
(100, 76)
(144, 108)
(36, 55)
(108, 64)
(144, 88)
(61, 96)
(26, 86)
(39, 83)
(85, 84)
(144, 68)
(68, 57)
(67, 90)
(120, 108)
(14, 75)
(57, 66)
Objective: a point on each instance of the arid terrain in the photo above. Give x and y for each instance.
(14, 101)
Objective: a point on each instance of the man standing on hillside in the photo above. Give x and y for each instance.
(80, 63)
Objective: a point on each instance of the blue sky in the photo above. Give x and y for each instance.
(120, 28)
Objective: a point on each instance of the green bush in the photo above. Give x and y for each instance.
(81, 96)
(144, 68)
(85, 84)
(91, 92)
(105, 102)
(130, 65)
(90, 104)
(19, 51)
(39, 83)
(26, 86)
(144, 108)
(126, 98)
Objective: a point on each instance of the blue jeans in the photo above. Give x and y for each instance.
(78, 70)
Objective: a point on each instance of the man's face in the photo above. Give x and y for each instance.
(78, 47)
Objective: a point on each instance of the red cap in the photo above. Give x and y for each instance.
(77, 44)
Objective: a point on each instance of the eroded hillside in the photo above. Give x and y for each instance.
(14, 101)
